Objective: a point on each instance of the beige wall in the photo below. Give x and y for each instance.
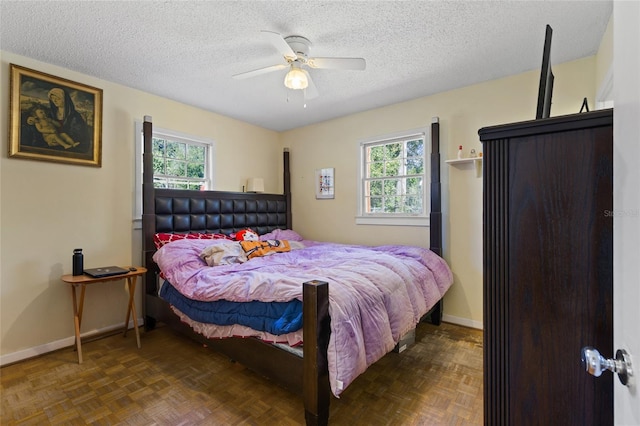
(48, 209)
(461, 112)
(604, 62)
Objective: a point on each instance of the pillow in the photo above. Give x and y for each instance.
(161, 239)
(223, 254)
(281, 234)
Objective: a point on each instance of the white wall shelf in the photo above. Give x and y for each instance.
(476, 161)
(463, 160)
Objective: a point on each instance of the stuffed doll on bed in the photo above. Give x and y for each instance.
(247, 246)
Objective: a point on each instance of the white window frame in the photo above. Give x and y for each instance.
(174, 136)
(394, 219)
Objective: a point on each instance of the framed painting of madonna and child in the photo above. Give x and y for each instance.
(54, 119)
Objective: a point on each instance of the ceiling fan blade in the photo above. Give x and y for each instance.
(311, 91)
(259, 71)
(279, 42)
(338, 63)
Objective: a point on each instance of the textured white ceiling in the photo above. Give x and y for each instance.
(188, 50)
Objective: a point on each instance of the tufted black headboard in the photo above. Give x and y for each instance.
(178, 211)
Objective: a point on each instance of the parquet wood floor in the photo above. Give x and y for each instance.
(175, 381)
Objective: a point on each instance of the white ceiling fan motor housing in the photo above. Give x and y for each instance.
(300, 46)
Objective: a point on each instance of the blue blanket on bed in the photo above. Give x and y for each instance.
(273, 317)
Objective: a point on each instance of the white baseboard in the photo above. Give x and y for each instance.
(69, 341)
(462, 321)
(58, 344)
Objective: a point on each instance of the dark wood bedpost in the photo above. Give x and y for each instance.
(287, 185)
(435, 218)
(148, 215)
(316, 330)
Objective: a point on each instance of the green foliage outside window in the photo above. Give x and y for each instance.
(179, 165)
(395, 174)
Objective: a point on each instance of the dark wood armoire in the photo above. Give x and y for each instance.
(548, 269)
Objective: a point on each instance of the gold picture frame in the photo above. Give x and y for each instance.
(54, 119)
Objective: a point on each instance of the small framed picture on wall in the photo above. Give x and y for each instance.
(54, 119)
(325, 183)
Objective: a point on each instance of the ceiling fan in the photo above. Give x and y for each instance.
(295, 51)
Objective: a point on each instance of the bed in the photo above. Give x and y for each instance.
(310, 368)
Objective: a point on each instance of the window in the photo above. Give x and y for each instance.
(394, 180)
(179, 164)
(180, 161)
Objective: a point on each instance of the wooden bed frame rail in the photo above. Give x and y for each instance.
(182, 211)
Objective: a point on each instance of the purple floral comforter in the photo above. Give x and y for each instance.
(376, 294)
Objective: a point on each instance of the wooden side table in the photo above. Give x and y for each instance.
(83, 280)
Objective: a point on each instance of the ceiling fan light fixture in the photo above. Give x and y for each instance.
(296, 78)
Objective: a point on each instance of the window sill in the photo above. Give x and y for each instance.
(392, 221)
